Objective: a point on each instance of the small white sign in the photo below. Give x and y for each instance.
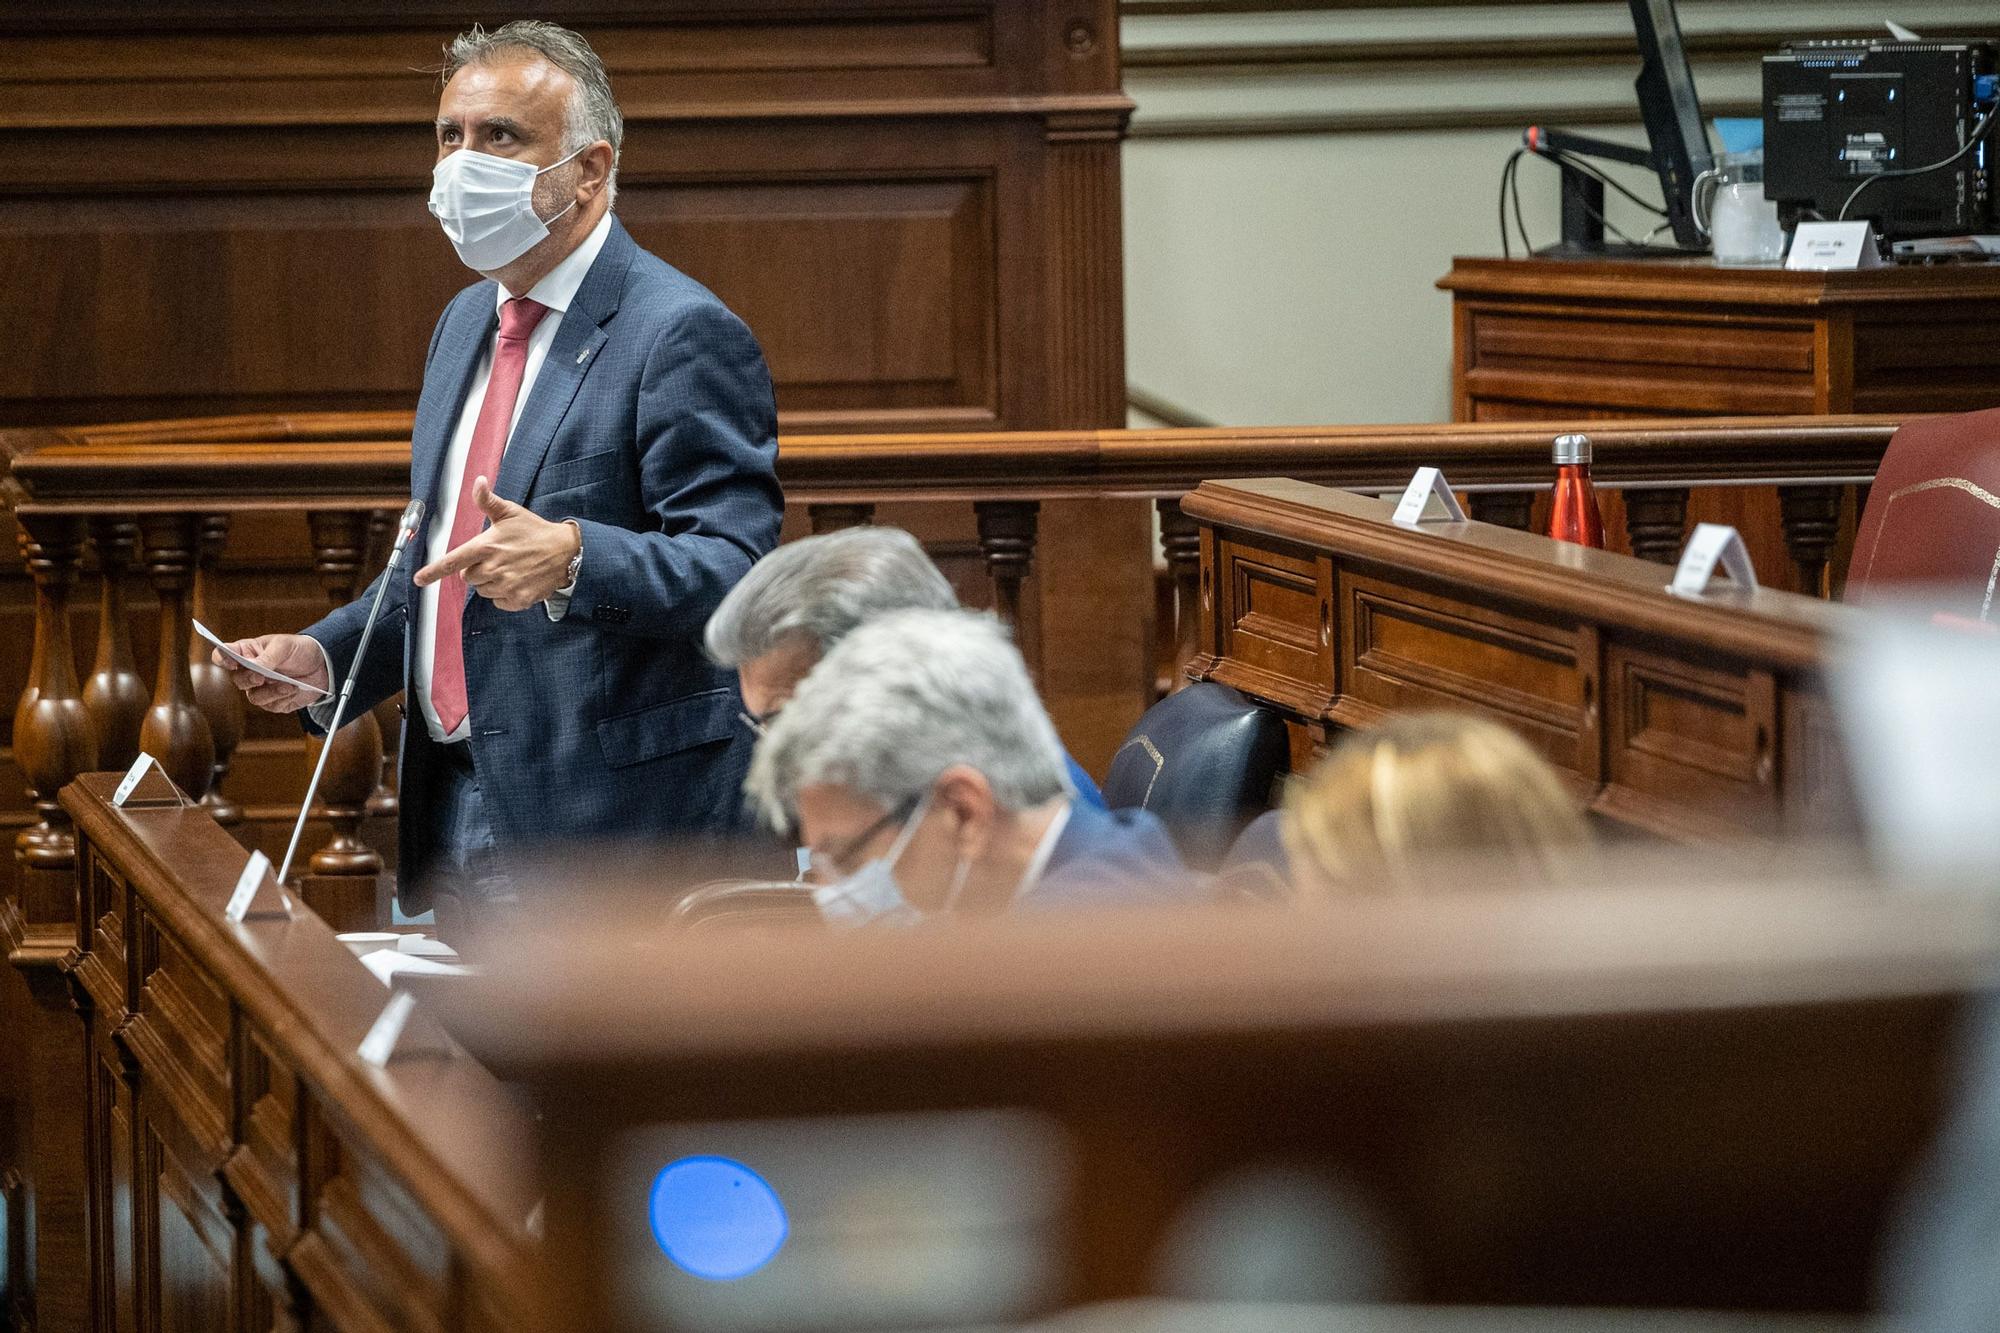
(1712, 544)
(1825, 246)
(247, 885)
(380, 1044)
(1428, 499)
(131, 779)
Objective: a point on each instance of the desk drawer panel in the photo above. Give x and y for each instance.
(1272, 613)
(1655, 341)
(1407, 648)
(1692, 746)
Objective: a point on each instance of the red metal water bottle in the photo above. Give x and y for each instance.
(1573, 515)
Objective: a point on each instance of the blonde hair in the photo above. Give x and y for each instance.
(1427, 785)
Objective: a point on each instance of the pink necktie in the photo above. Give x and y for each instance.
(518, 318)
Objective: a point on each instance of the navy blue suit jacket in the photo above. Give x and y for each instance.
(652, 424)
(1113, 858)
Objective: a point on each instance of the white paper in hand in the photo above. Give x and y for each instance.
(257, 667)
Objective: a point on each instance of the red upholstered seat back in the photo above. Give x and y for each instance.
(1933, 516)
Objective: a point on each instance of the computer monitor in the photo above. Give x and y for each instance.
(1677, 137)
(1672, 112)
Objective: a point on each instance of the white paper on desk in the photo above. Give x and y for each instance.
(386, 963)
(257, 667)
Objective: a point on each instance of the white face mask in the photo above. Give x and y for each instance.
(872, 895)
(486, 205)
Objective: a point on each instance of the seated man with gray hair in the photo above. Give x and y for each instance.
(918, 768)
(801, 599)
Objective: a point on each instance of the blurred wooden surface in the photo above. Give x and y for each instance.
(1697, 1098)
(1688, 717)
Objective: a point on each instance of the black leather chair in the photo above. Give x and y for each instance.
(1205, 761)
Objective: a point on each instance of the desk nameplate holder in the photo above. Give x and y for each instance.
(1428, 499)
(146, 786)
(1711, 545)
(258, 895)
(402, 1032)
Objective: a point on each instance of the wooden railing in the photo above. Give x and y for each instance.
(164, 496)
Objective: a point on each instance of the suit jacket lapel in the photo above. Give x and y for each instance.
(570, 358)
(463, 342)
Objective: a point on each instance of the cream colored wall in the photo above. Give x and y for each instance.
(1297, 181)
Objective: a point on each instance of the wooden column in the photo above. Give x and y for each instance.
(54, 739)
(340, 880)
(45, 1179)
(219, 700)
(1007, 539)
(1811, 518)
(175, 731)
(833, 517)
(115, 694)
(1655, 521)
(1180, 541)
(1508, 509)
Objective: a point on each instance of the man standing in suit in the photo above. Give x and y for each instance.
(596, 446)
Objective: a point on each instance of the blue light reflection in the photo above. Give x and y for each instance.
(715, 1218)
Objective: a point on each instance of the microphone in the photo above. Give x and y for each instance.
(406, 528)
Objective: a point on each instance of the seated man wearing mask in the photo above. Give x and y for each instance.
(803, 598)
(918, 768)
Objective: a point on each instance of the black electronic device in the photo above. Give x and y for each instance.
(1675, 132)
(1882, 130)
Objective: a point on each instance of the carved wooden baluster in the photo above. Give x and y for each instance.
(381, 536)
(340, 539)
(115, 694)
(1007, 539)
(1509, 509)
(176, 731)
(833, 517)
(54, 739)
(1811, 518)
(220, 701)
(1655, 521)
(1180, 541)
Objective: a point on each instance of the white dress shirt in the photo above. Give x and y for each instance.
(556, 290)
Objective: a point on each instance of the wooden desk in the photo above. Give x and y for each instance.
(1545, 339)
(1539, 339)
(1689, 718)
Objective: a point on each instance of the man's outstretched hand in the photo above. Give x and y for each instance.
(293, 654)
(518, 561)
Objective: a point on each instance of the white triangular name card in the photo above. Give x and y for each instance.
(402, 1032)
(1428, 499)
(1713, 544)
(146, 784)
(258, 893)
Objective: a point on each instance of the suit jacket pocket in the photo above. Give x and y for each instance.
(664, 729)
(568, 474)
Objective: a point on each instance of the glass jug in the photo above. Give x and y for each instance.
(1731, 210)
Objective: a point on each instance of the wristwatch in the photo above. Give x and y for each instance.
(575, 566)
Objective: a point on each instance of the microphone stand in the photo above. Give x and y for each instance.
(413, 517)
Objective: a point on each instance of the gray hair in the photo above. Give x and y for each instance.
(900, 700)
(592, 113)
(822, 588)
